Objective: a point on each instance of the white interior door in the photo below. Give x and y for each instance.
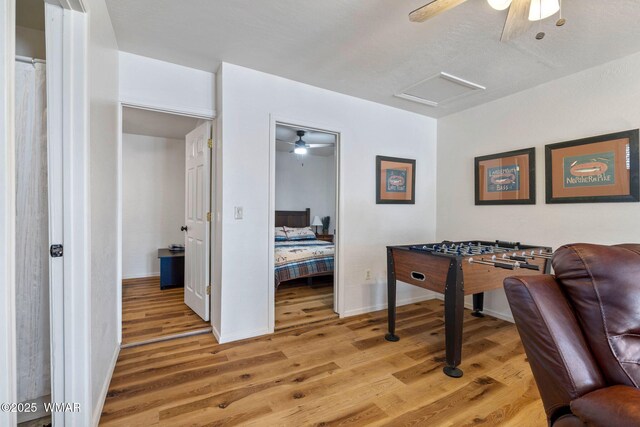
(197, 208)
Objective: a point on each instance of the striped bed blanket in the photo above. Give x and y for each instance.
(302, 258)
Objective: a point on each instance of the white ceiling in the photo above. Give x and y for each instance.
(369, 49)
(285, 134)
(154, 123)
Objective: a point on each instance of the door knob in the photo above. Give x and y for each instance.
(184, 228)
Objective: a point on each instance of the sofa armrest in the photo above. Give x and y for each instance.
(560, 359)
(618, 405)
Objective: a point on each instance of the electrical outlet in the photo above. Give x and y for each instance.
(367, 275)
(237, 212)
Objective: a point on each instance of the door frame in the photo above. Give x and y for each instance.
(338, 280)
(8, 386)
(70, 371)
(119, 192)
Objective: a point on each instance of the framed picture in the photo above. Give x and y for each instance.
(597, 169)
(506, 178)
(395, 180)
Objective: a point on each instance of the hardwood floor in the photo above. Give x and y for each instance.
(149, 313)
(299, 304)
(335, 372)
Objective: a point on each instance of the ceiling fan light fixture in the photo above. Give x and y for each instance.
(499, 4)
(300, 150)
(541, 9)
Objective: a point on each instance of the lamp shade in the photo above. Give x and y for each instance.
(541, 9)
(499, 4)
(316, 221)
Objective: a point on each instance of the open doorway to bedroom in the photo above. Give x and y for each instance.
(158, 191)
(305, 225)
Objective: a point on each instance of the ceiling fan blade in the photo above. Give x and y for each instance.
(286, 142)
(517, 20)
(319, 145)
(432, 9)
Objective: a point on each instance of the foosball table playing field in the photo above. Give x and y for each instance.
(456, 269)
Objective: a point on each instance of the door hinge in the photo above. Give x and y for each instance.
(209, 290)
(209, 216)
(210, 142)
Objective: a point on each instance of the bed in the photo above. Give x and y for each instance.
(296, 259)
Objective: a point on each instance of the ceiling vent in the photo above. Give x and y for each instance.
(439, 89)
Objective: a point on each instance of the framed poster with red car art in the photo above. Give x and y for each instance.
(598, 169)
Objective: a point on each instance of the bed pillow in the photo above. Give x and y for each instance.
(280, 234)
(304, 233)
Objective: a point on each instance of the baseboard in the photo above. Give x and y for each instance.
(140, 276)
(382, 306)
(105, 388)
(216, 333)
(222, 339)
(492, 313)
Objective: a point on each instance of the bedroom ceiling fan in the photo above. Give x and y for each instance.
(301, 147)
(521, 13)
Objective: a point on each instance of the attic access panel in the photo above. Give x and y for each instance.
(439, 89)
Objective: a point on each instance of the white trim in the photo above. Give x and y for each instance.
(215, 331)
(338, 277)
(97, 413)
(198, 113)
(8, 385)
(243, 335)
(67, 61)
(168, 337)
(140, 276)
(383, 306)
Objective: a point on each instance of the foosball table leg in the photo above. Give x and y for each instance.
(391, 299)
(453, 317)
(478, 305)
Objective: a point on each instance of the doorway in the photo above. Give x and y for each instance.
(33, 326)
(305, 187)
(155, 184)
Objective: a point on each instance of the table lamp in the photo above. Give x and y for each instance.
(317, 222)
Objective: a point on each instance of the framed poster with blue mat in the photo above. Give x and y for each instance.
(506, 178)
(591, 170)
(395, 180)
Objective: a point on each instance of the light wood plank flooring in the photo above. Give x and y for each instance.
(299, 304)
(337, 372)
(149, 313)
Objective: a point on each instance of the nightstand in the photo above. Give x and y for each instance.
(325, 237)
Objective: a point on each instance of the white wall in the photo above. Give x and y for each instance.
(152, 201)
(30, 43)
(103, 93)
(165, 86)
(597, 101)
(248, 98)
(306, 182)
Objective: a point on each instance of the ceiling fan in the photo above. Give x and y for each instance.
(301, 147)
(521, 13)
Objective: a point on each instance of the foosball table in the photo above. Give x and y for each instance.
(456, 269)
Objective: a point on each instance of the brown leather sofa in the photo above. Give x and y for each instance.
(581, 332)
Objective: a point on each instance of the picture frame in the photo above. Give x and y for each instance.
(395, 180)
(506, 178)
(599, 169)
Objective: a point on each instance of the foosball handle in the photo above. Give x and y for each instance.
(530, 266)
(505, 265)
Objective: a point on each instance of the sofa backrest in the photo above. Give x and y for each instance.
(602, 283)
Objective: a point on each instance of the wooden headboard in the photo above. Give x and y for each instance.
(293, 218)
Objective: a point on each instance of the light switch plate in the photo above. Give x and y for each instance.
(237, 212)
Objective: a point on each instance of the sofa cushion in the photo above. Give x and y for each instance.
(617, 406)
(603, 285)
